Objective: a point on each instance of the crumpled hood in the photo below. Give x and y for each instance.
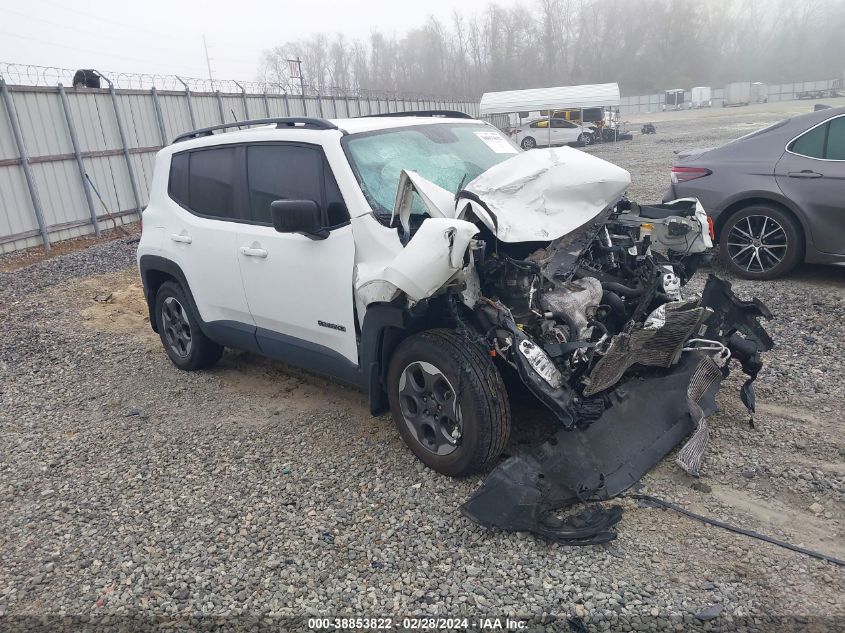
(543, 194)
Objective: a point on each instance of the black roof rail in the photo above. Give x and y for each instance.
(312, 123)
(446, 114)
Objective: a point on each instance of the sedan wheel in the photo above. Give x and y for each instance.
(529, 143)
(584, 139)
(761, 243)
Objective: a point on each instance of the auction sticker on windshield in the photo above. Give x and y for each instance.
(496, 142)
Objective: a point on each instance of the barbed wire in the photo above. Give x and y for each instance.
(32, 75)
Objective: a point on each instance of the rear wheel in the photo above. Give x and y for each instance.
(529, 143)
(761, 242)
(178, 328)
(448, 402)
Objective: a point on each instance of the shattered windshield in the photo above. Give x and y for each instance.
(448, 154)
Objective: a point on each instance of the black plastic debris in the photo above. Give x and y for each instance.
(710, 613)
(596, 463)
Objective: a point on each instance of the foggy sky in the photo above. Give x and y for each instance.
(165, 37)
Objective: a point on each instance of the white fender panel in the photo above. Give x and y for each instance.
(432, 257)
(438, 202)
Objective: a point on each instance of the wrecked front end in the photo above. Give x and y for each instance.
(598, 327)
(624, 401)
(581, 293)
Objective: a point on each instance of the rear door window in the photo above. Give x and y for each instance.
(213, 175)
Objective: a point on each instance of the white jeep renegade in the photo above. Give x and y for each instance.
(420, 258)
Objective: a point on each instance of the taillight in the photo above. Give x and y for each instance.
(711, 228)
(682, 174)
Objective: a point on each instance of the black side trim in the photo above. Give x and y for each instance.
(310, 356)
(384, 327)
(232, 334)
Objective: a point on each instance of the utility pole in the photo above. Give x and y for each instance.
(207, 61)
(295, 71)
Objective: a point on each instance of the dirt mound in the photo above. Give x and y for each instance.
(115, 303)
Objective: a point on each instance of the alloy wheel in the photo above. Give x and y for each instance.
(757, 243)
(430, 409)
(177, 328)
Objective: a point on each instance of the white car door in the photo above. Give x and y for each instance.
(539, 131)
(565, 132)
(299, 290)
(200, 233)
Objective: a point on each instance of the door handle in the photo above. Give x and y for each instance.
(806, 173)
(248, 251)
(182, 239)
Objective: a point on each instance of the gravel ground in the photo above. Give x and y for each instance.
(132, 491)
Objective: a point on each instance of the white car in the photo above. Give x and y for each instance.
(563, 132)
(422, 259)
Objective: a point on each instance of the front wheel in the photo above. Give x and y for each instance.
(448, 402)
(584, 139)
(761, 242)
(529, 143)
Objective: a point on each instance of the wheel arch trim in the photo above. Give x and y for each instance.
(151, 267)
(738, 202)
(384, 327)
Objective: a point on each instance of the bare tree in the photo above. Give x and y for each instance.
(644, 45)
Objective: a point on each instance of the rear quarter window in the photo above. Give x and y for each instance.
(825, 141)
(177, 187)
(810, 143)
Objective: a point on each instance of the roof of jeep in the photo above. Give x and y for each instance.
(309, 134)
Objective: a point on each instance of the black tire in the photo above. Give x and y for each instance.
(479, 392)
(745, 254)
(528, 143)
(181, 336)
(584, 139)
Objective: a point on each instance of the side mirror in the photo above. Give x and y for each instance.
(298, 216)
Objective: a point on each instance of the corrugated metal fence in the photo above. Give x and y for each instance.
(61, 149)
(776, 92)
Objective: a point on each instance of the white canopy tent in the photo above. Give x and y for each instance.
(586, 96)
(550, 99)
